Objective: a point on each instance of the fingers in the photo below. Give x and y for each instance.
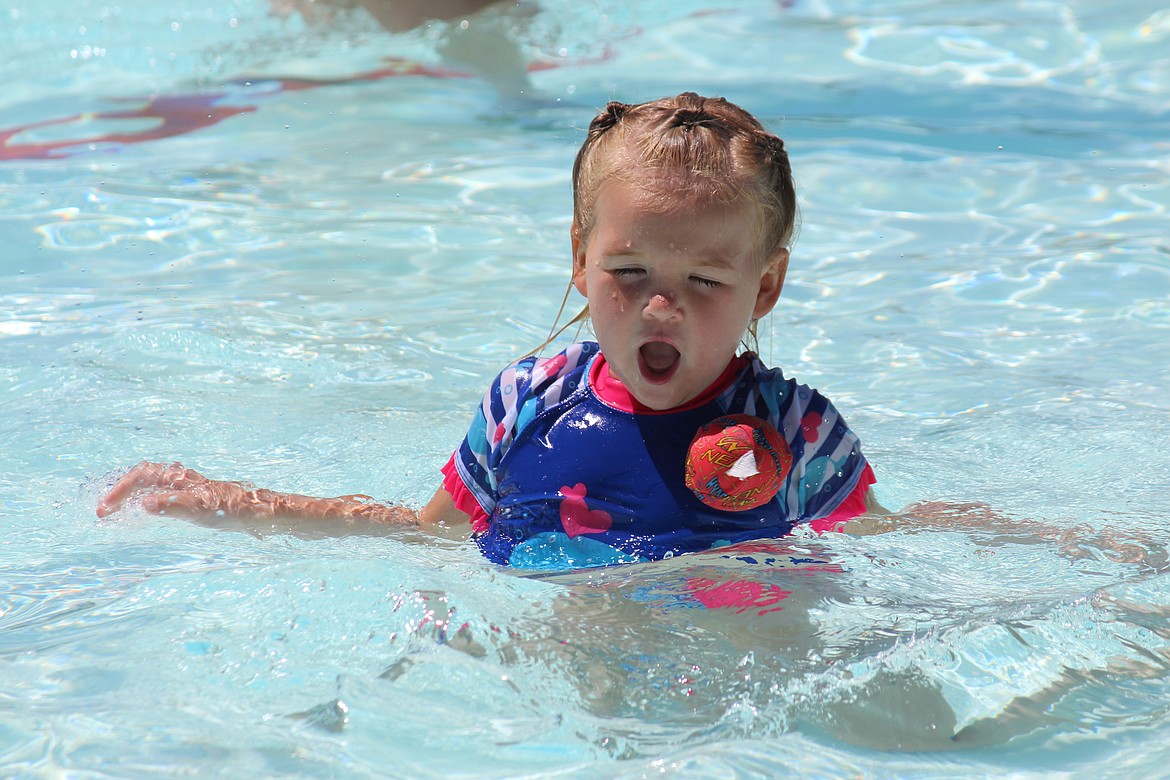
(139, 476)
(146, 478)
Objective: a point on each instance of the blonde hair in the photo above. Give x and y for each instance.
(711, 147)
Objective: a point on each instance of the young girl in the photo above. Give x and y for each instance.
(683, 210)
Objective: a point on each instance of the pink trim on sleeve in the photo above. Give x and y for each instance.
(851, 507)
(463, 498)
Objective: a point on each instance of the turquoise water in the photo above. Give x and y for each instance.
(311, 292)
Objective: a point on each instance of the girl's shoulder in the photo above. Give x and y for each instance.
(536, 376)
(766, 392)
(526, 388)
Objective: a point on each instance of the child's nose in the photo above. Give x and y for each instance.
(661, 306)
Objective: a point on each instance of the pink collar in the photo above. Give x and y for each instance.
(611, 392)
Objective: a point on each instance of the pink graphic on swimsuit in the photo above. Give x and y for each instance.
(576, 516)
(811, 424)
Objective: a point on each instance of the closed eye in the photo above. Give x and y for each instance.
(704, 282)
(627, 272)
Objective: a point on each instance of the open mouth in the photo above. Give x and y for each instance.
(658, 361)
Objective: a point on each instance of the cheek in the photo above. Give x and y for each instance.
(613, 298)
(727, 319)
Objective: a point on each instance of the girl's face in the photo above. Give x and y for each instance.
(671, 289)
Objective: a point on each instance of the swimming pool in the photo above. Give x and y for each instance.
(270, 253)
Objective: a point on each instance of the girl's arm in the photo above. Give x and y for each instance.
(1075, 542)
(176, 490)
(441, 511)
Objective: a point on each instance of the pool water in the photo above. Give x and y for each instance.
(265, 249)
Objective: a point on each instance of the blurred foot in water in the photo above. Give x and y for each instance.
(478, 35)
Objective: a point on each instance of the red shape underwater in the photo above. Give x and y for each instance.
(181, 114)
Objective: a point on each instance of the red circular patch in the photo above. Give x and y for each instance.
(737, 462)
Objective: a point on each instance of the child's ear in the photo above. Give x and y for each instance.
(771, 283)
(578, 259)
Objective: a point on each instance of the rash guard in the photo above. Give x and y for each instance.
(562, 468)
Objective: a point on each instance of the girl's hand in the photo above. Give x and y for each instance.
(175, 490)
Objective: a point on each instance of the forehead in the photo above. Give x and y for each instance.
(636, 216)
(667, 194)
